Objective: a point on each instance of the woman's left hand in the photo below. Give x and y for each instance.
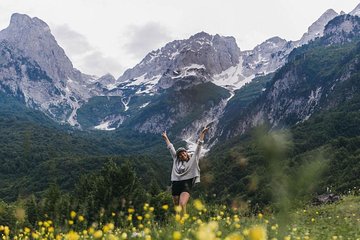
(205, 130)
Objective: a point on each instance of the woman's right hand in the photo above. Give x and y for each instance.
(164, 135)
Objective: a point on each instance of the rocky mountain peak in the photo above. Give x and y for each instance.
(19, 21)
(200, 54)
(106, 80)
(317, 28)
(274, 42)
(201, 35)
(34, 38)
(356, 11)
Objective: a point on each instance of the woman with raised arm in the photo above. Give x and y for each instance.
(185, 171)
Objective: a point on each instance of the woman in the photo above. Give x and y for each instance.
(185, 171)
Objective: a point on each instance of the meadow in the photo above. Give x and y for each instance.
(339, 220)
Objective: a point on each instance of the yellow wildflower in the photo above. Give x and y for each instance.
(98, 234)
(106, 229)
(176, 235)
(35, 235)
(198, 205)
(81, 218)
(72, 236)
(165, 207)
(234, 236)
(146, 206)
(206, 231)
(178, 209)
(72, 214)
(112, 237)
(6, 230)
(124, 235)
(257, 233)
(111, 226)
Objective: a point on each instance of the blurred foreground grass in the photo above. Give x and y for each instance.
(340, 220)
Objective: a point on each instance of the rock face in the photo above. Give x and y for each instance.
(266, 57)
(34, 38)
(309, 81)
(342, 29)
(356, 11)
(59, 89)
(316, 29)
(200, 55)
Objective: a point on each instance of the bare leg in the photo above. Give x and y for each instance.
(184, 198)
(176, 200)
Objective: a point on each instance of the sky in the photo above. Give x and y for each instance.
(110, 36)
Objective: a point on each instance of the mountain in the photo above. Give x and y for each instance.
(356, 11)
(183, 64)
(315, 99)
(308, 83)
(205, 80)
(212, 63)
(35, 68)
(199, 55)
(316, 29)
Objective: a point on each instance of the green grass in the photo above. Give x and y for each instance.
(340, 220)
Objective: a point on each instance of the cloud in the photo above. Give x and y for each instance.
(74, 42)
(98, 64)
(84, 56)
(145, 38)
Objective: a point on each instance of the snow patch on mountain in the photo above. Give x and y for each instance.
(232, 78)
(144, 105)
(210, 119)
(187, 71)
(105, 126)
(126, 103)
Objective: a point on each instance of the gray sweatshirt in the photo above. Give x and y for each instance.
(184, 170)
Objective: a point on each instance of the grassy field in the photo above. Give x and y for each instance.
(340, 220)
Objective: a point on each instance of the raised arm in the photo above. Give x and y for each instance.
(165, 137)
(169, 145)
(202, 134)
(200, 142)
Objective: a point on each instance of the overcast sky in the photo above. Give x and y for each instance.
(109, 36)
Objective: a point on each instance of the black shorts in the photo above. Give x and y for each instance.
(177, 187)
